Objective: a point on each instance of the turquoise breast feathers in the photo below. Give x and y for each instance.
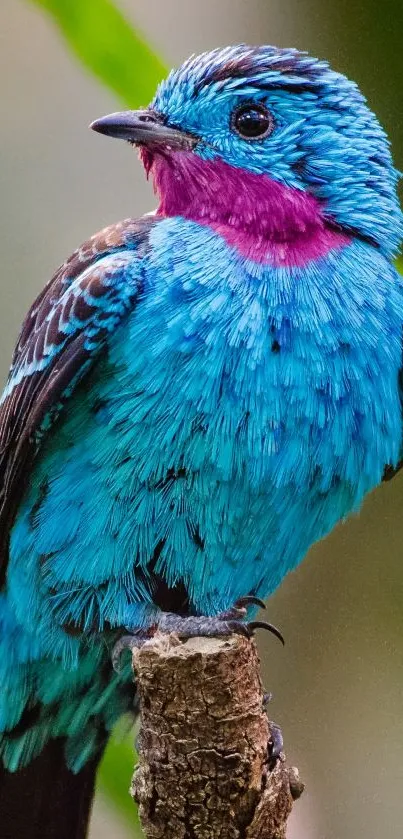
(241, 411)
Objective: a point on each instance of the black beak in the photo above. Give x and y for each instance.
(144, 128)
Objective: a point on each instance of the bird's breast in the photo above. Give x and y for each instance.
(269, 372)
(238, 414)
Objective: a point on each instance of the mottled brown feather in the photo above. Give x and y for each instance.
(42, 394)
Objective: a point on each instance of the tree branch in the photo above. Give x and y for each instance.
(203, 748)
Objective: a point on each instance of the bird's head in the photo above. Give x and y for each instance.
(269, 142)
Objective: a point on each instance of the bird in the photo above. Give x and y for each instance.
(195, 398)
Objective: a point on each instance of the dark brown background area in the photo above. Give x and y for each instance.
(338, 684)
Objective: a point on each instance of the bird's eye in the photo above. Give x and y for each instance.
(252, 122)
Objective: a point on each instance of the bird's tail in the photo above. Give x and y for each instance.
(46, 800)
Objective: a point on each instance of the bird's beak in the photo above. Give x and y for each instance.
(145, 128)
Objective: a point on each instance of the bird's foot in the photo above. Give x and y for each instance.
(191, 626)
(226, 623)
(275, 745)
(132, 641)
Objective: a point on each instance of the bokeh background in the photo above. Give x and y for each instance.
(338, 684)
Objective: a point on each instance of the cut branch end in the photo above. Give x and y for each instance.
(203, 769)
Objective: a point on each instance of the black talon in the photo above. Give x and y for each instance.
(265, 625)
(250, 600)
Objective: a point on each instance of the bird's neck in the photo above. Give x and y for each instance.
(263, 219)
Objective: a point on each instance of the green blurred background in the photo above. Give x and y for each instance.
(338, 684)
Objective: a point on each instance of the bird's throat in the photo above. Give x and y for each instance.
(261, 218)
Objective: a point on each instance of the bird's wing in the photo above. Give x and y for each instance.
(63, 333)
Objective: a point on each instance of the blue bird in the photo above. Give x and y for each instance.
(194, 399)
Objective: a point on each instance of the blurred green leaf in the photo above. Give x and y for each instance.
(107, 44)
(115, 773)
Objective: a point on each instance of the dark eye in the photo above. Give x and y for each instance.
(252, 122)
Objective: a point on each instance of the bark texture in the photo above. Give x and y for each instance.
(203, 769)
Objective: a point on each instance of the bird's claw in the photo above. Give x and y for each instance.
(253, 625)
(275, 745)
(240, 608)
(127, 642)
(235, 615)
(191, 626)
(250, 600)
